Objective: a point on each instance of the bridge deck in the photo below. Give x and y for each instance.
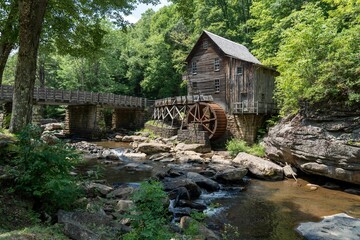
(52, 96)
(182, 100)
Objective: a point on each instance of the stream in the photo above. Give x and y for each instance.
(263, 210)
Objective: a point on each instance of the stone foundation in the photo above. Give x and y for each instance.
(164, 132)
(82, 120)
(128, 118)
(194, 134)
(244, 126)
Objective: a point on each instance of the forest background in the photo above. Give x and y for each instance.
(313, 44)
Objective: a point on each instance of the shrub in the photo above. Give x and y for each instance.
(42, 171)
(149, 220)
(235, 146)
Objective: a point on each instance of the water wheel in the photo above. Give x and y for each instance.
(210, 116)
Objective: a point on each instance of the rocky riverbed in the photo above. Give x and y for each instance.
(196, 177)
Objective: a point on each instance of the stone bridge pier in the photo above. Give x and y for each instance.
(89, 120)
(128, 118)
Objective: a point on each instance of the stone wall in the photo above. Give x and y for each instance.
(244, 126)
(164, 132)
(128, 119)
(194, 134)
(82, 120)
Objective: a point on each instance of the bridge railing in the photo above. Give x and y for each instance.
(58, 96)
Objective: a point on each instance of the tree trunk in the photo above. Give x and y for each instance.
(5, 50)
(31, 17)
(8, 36)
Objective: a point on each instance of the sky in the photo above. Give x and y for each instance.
(141, 8)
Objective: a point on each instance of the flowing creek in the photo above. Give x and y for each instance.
(264, 210)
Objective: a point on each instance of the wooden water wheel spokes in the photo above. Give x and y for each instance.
(210, 116)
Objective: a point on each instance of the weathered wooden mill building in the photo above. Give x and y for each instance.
(229, 91)
(235, 78)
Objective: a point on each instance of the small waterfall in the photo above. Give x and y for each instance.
(120, 153)
(172, 209)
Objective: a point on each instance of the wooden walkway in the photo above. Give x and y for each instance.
(52, 96)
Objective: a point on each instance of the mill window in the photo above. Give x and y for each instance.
(216, 64)
(194, 85)
(193, 68)
(217, 85)
(205, 44)
(239, 70)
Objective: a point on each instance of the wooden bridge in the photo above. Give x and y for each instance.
(50, 96)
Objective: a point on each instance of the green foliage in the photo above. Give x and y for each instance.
(235, 146)
(149, 222)
(36, 232)
(42, 171)
(198, 216)
(230, 232)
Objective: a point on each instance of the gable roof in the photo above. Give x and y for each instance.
(229, 48)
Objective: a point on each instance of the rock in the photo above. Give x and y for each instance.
(231, 175)
(179, 193)
(79, 232)
(124, 205)
(330, 185)
(171, 184)
(289, 171)
(203, 232)
(259, 167)
(96, 189)
(352, 191)
(134, 138)
(118, 138)
(220, 159)
(323, 139)
(338, 226)
(199, 148)
(203, 182)
(138, 167)
(49, 138)
(152, 147)
(5, 140)
(312, 187)
(189, 156)
(77, 225)
(135, 156)
(53, 126)
(121, 193)
(191, 204)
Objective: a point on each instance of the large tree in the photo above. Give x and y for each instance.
(31, 16)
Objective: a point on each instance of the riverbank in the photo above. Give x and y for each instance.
(251, 207)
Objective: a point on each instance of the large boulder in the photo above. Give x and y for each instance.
(200, 148)
(203, 233)
(320, 140)
(338, 226)
(259, 167)
(172, 184)
(231, 175)
(153, 147)
(97, 189)
(189, 157)
(203, 182)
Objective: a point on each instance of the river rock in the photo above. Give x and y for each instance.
(133, 138)
(191, 204)
(231, 175)
(97, 189)
(124, 205)
(189, 157)
(171, 184)
(338, 226)
(259, 167)
(203, 182)
(220, 159)
(152, 148)
(49, 138)
(138, 167)
(135, 156)
(323, 139)
(199, 148)
(121, 193)
(53, 126)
